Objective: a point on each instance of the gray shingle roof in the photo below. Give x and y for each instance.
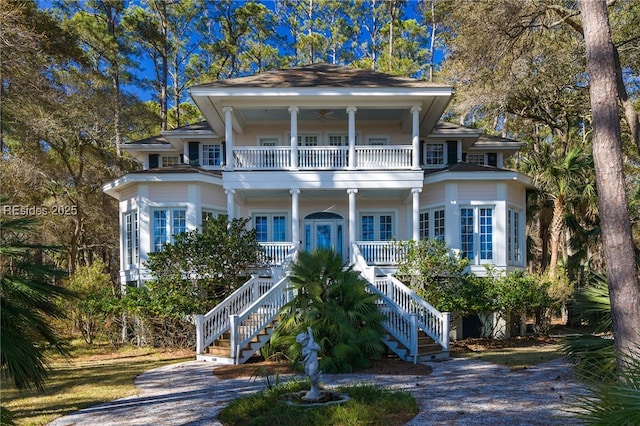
(322, 75)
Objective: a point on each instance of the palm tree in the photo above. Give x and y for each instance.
(560, 176)
(28, 299)
(333, 301)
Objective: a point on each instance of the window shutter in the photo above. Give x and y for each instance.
(194, 153)
(224, 154)
(154, 161)
(492, 159)
(452, 152)
(421, 153)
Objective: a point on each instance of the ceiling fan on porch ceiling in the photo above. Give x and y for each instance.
(325, 114)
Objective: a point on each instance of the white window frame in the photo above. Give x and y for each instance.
(476, 257)
(480, 159)
(204, 160)
(131, 239)
(268, 140)
(170, 213)
(378, 140)
(433, 232)
(514, 237)
(376, 224)
(435, 160)
(169, 160)
(270, 215)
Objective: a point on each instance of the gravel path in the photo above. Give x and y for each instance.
(458, 392)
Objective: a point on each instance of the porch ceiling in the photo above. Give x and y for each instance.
(398, 195)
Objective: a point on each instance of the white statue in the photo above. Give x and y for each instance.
(310, 351)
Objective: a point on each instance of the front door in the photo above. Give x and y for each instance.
(324, 230)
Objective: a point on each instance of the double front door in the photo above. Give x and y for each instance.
(324, 230)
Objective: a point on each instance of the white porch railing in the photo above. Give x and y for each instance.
(386, 156)
(370, 157)
(276, 253)
(259, 157)
(381, 252)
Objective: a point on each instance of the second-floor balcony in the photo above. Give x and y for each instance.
(399, 157)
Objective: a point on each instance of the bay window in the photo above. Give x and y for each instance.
(476, 234)
(166, 224)
(131, 239)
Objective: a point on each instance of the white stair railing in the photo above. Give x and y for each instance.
(255, 318)
(413, 308)
(433, 322)
(217, 321)
(214, 323)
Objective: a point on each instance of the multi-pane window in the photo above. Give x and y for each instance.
(486, 233)
(476, 234)
(170, 160)
(514, 251)
(378, 141)
(270, 227)
(376, 227)
(268, 141)
(338, 140)
(438, 225)
(432, 225)
(212, 155)
(475, 159)
(167, 223)
(434, 154)
(131, 238)
(424, 226)
(308, 140)
(466, 232)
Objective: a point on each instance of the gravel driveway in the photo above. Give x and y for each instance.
(458, 392)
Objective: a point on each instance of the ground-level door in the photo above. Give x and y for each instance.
(324, 230)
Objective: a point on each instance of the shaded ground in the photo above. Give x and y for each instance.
(389, 365)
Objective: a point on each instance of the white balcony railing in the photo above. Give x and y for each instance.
(381, 252)
(323, 157)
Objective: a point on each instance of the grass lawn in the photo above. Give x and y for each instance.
(92, 375)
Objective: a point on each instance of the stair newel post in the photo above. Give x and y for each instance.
(233, 332)
(255, 289)
(199, 320)
(446, 324)
(414, 337)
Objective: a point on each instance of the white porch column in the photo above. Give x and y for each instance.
(293, 110)
(459, 152)
(352, 136)
(295, 215)
(352, 216)
(228, 136)
(415, 133)
(415, 192)
(230, 203)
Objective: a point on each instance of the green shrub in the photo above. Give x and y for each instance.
(333, 301)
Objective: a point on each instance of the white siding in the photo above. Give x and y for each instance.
(168, 192)
(432, 195)
(213, 195)
(477, 192)
(516, 195)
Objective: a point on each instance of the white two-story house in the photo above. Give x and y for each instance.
(326, 156)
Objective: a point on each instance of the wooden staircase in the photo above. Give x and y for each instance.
(427, 349)
(220, 350)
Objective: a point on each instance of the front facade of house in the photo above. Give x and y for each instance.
(326, 156)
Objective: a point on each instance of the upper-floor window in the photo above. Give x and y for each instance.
(432, 224)
(433, 154)
(378, 140)
(270, 227)
(476, 234)
(212, 155)
(308, 140)
(131, 238)
(166, 224)
(475, 159)
(376, 226)
(268, 141)
(170, 160)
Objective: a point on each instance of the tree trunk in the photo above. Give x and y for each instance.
(556, 233)
(619, 253)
